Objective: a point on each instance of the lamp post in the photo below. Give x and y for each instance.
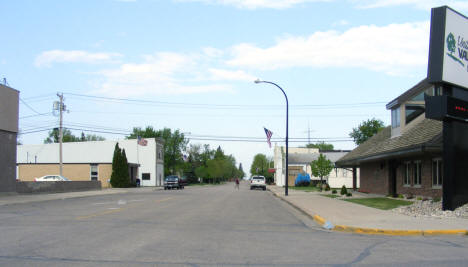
(287, 116)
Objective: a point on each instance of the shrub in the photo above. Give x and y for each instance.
(436, 199)
(400, 196)
(334, 191)
(327, 187)
(344, 191)
(349, 194)
(419, 198)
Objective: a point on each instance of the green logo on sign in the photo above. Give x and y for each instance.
(451, 45)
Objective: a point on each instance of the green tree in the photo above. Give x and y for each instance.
(321, 167)
(322, 146)
(174, 144)
(91, 137)
(55, 133)
(69, 137)
(119, 177)
(260, 166)
(366, 130)
(241, 173)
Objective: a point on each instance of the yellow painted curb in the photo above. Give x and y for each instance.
(446, 232)
(319, 219)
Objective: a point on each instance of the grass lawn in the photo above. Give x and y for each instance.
(305, 188)
(380, 202)
(330, 196)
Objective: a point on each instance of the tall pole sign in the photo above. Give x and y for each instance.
(448, 70)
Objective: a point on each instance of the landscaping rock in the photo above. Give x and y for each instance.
(432, 209)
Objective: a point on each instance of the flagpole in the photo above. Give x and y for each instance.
(287, 116)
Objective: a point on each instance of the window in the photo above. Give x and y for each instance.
(345, 173)
(146, 176)
(414, 107)
(407, 176)
(396, 117)
(417, 168)
(437, 172)
(94, 172)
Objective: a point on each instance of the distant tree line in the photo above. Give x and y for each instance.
(69, 137)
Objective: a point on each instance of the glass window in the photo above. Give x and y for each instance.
(437, 172)
(94, 172)
(412, 111)
(396, 117)
(417, 172)
(146, 176)
(407, 177)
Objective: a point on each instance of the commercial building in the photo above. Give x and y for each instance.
(85, 161)
(9, 107)
(299, 162)
(406, 157)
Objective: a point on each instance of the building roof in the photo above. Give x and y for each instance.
(424, 136)
(418, 88)
(307, 158)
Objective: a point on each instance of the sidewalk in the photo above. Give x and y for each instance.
(14, 198)
(339, 215)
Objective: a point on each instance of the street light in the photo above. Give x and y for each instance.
(287, 116)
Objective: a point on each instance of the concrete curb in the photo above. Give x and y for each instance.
(371, 231)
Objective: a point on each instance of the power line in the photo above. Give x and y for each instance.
(26, 104)
(223, 106)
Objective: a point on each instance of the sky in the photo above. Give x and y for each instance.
(191, 65)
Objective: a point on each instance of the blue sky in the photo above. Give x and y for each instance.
(339, 62)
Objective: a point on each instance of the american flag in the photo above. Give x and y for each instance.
(268, 134)
(142, 141)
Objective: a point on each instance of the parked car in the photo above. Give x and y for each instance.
(173, 181)
(258, 181)
(51, 178)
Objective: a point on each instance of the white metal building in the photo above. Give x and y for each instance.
(302, 157)
(150, 158)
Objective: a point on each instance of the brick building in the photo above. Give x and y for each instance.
(406, 157)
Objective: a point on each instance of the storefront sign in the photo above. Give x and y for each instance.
(446, 108)
(448, 47)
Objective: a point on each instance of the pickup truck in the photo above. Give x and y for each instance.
(174, 181)
(258, 182)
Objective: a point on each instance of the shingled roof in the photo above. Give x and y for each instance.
(424, 136)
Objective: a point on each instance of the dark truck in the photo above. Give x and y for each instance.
(174, 181)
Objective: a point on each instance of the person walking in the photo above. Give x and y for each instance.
(237, 183)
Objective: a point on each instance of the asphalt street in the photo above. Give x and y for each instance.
(199, 226)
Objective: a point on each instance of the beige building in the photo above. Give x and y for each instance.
(92, 161)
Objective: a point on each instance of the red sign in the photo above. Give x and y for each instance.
(271, 170)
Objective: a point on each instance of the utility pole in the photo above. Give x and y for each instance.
(61, 108)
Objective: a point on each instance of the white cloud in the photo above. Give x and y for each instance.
(393, 49)
(229, 75)
(254, 4)
(47, 58)
(341, 23)
(169, 73)
(421, 4)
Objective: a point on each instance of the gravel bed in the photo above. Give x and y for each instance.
(432, 209)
